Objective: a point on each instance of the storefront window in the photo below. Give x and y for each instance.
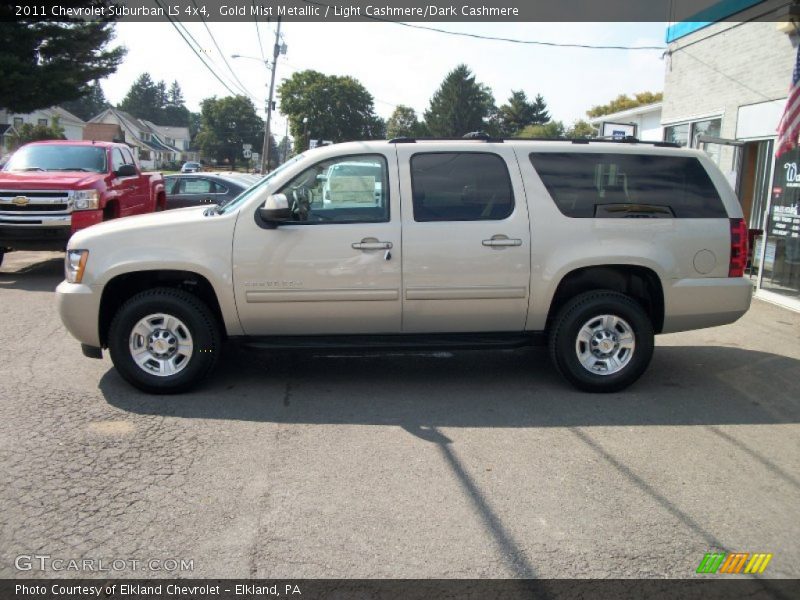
(781, 268)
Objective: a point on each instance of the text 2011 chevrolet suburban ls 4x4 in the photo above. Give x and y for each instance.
(593, 247)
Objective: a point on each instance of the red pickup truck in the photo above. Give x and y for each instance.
(49, 190)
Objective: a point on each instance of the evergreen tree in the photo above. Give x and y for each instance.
(144, 99)
(89, 105)
(460, 105)
(48, 63)
(175, 112)
(516, 114)
(540, 114)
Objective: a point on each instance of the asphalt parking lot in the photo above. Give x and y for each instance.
(471, 464)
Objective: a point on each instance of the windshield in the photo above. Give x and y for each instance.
(59, 157)
(256, 188)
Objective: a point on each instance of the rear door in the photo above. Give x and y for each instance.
(193, 191)
(466, 239)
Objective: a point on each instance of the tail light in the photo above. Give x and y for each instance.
(738, 260)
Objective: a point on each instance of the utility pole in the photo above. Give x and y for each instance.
(267, 146)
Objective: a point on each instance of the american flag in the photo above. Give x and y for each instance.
(789, 127)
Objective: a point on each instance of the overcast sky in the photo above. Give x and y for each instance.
(402, 65)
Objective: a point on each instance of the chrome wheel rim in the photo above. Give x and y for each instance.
(605, 344)
(161, 345)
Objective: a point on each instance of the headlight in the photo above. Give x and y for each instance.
(74, 264)
(85, 200)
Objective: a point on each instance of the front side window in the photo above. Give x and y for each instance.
(587, 185)
(460, 186)
(352, 189)
(116, 160)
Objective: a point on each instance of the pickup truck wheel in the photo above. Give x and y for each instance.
(164, 341)
(601, 341)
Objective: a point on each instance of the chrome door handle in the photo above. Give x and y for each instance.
(372, 245)
(502, 241)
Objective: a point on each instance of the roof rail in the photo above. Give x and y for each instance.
(485, 137)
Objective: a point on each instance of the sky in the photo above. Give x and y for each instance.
(398, 64)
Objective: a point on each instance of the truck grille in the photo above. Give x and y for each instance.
(14, 202)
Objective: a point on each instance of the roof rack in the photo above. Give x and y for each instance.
(485, 137)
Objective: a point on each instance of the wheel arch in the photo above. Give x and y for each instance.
(640, 283)
(126, 285)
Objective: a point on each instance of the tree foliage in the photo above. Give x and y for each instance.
(460, 105)
(46, 63)
(624, 102)
(550, 130)
(88, 105)
(152, 101)
(403, 122)
(581, 129)
(226, 124)
(338, 109)
(28, 132)
(519, 112)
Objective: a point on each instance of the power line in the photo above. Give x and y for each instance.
(258, 33)
(502, 39)
(225, 85)
(213, 39)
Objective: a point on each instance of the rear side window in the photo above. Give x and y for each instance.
(460, 186)
(586, 185)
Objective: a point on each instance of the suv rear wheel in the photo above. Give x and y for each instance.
(601, 341)
(164, 341)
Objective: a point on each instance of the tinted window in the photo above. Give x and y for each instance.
(589, 185)
(196, 186)
(169, 185)
(351, 189)
(460, 186)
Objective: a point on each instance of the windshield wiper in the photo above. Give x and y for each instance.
(31, 169)
(74, 169)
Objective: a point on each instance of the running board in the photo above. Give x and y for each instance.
(450, 341)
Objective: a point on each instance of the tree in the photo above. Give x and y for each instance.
(460, 105)
(28, 132)
(143, 100)
(624, 102)
(175, 112)
(89, 105)
(338, 109)
(45, 63)
(227, 124)
(581, 129)
(403, 123)
(550, 130)
(540, 113)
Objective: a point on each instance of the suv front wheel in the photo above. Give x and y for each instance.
(601, 341)
(164, 341)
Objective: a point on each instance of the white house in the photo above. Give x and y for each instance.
(72, 125)
(647, 119)
(153, 144)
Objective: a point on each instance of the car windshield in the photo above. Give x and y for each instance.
(256, 188)
(58, 157)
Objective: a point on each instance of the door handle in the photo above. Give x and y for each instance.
(371, 244)
(501, 240)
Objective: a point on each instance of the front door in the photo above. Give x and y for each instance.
(466, 239)
(336, 267)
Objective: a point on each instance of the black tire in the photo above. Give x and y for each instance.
(582, 310)
(192, 313)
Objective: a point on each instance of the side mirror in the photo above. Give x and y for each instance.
(126, 171)
(322, 178)
(275, 210)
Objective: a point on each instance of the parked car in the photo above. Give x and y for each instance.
(191, 167)
(193, 189)
(51, 189)
(591, 247)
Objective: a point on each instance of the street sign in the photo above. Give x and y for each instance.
(255, 156)
(247, 153)
(247, 147)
